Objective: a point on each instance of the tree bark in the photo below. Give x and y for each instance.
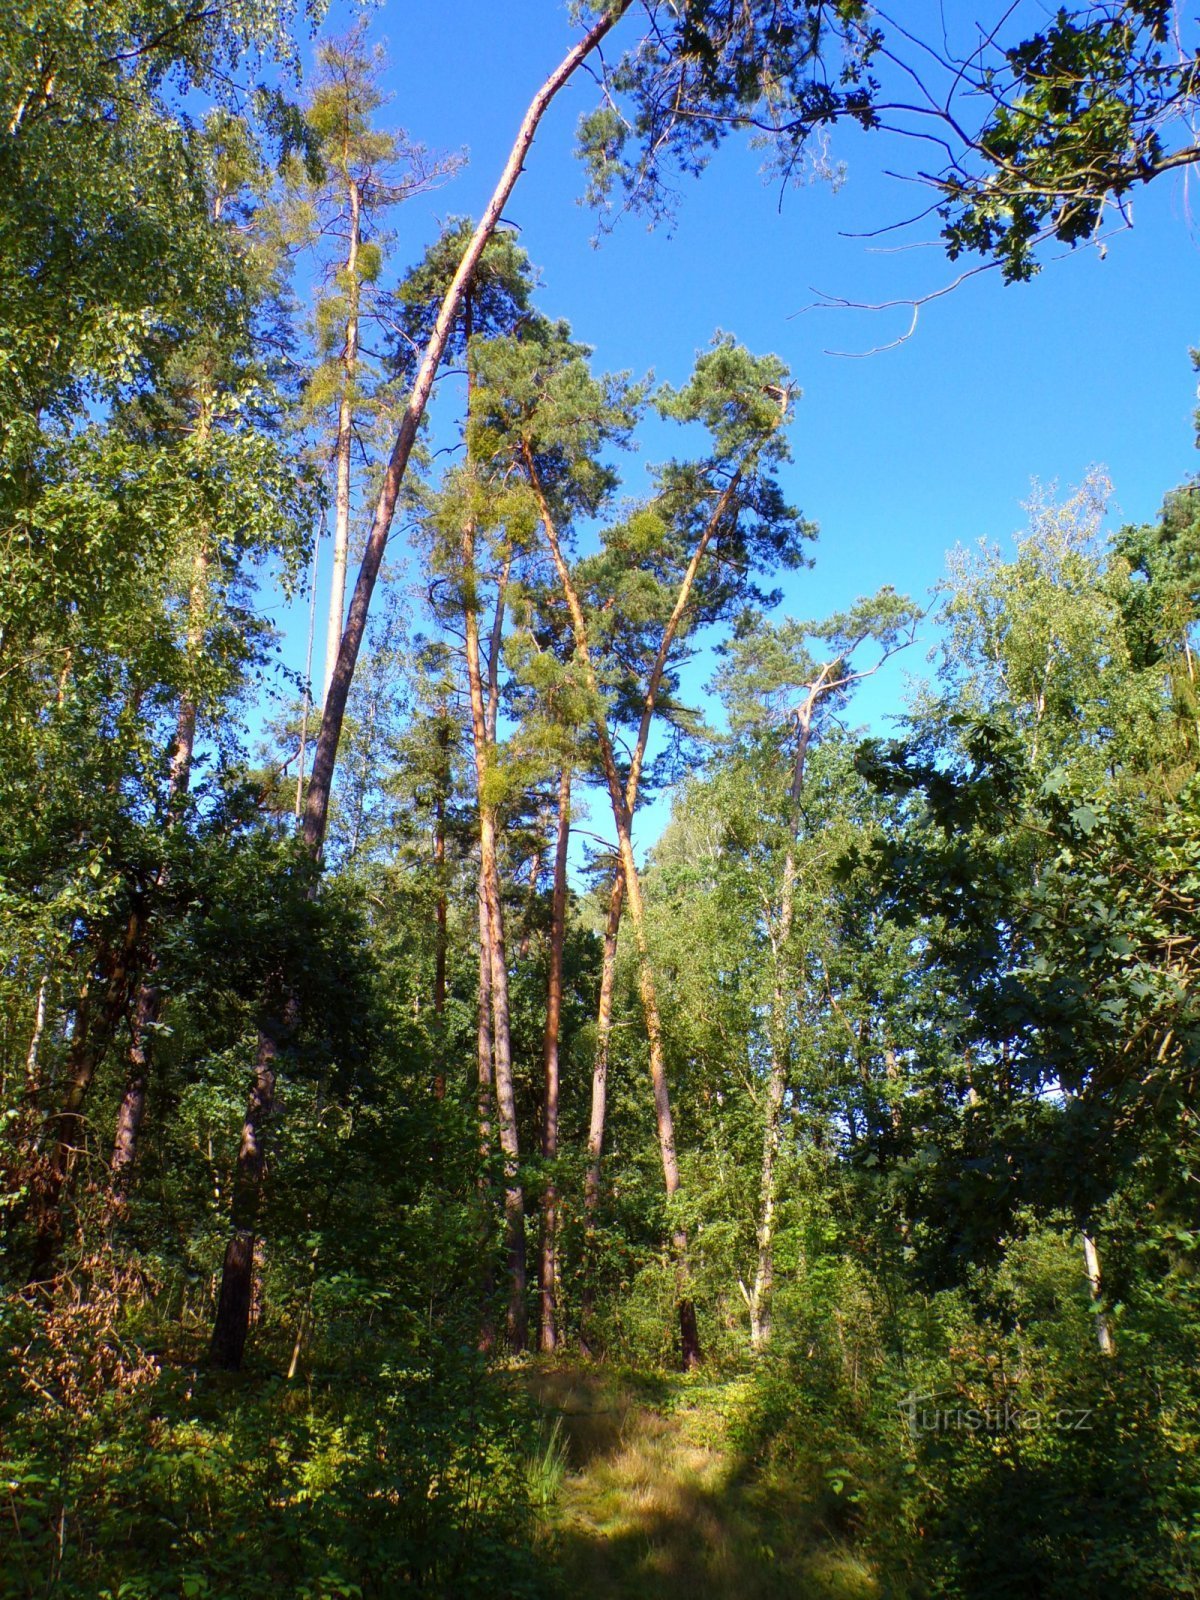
(486, 1103)
(1091, 1257)
(316, 814)
(133, 1100)
(232, 1322)
(591, 1187)
(483, 721)
(439, 867)
(558, 929)
(35, 1040)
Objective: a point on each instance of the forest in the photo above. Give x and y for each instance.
(518, 1079)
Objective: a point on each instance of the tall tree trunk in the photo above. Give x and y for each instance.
(486, 1105)
(137, 1081)
(483, 714)
(558, 930)
(439, 867)
(232, 1322)
(345, 439)
(506, 1110)
(486, 1099)
(316, 814)
(688, 1331)
(595, 1148)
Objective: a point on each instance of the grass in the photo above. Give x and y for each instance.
(654, 1501)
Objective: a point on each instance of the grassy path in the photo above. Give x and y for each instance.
(656, 1502)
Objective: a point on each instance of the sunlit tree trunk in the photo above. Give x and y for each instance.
(617, 894)
(439, 867)
(483, 714)
(35, 1038)
(1091, 1258)
(320, 788)
(486, 1108)
(595, 1147)
(558, 929)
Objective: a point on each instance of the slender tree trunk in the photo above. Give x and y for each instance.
(137, 1081)
(345, 438)
(439, 937)
(689, 1333)
(558, 929)
(439, 867)
(760, 1308)
(764, 1275)
(232, 1322)
(484, 1036)
(316, 814)
(1091, 1258)
(439, 954)
(482, 725)
(35, 1040)
(514, 1199)
(595, 1149)
(485, 1111)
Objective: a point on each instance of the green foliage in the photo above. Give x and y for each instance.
(704, 70)
(929, 1006)
(414, 1477)
(991, 1455)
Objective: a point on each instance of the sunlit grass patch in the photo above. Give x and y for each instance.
(657, 1500)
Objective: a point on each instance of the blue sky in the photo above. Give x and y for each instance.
(899, 455)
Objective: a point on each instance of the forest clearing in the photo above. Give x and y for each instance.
(598, 965)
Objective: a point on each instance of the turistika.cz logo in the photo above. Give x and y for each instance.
(946, 1413)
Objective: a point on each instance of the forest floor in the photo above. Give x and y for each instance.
(657, 1501)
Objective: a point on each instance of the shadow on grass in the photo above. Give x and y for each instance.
(655, 1503)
